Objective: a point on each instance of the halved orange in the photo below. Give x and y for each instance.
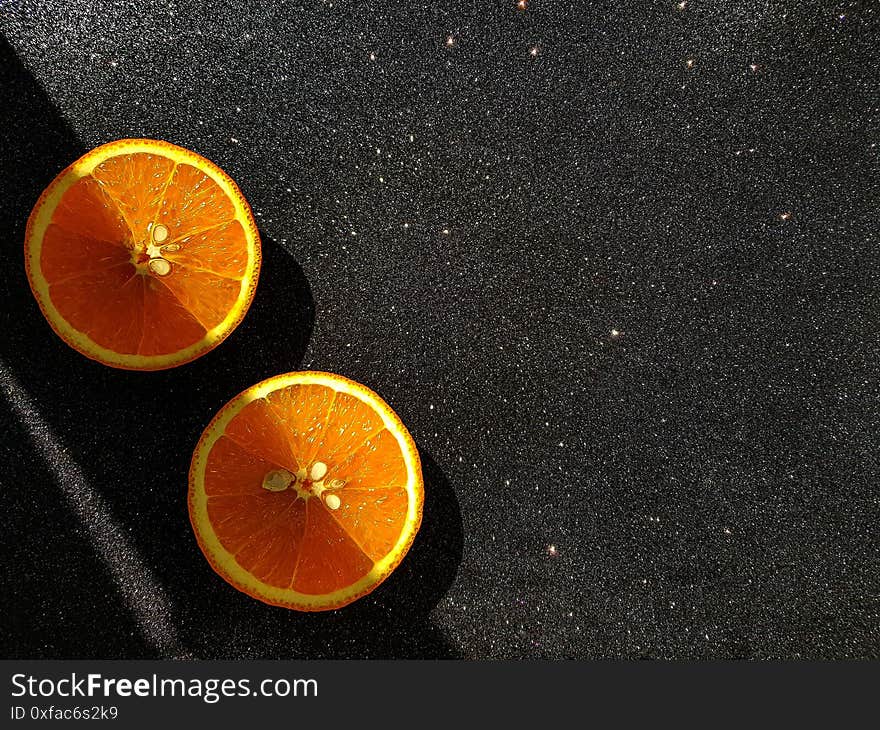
(142, 255)
(305, 491)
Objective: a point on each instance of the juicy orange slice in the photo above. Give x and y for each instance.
(142, 255)
(305, 491)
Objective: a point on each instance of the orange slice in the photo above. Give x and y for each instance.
(142, 255)
(305, 491)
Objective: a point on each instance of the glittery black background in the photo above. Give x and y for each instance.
(614, 264)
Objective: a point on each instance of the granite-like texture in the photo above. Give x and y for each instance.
(614, 264)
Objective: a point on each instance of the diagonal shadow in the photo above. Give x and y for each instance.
(107, 538)
(133, 434)
(62, 590)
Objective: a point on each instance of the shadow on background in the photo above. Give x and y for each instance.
(133, 434)
(55, 583)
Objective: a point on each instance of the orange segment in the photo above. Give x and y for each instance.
(106, 305)
(86, 209)
(239, 517)
(373, 517)
(172, 218)
(273, 558)
(303, 409)
(330, 560)
(376, 463)
(66, 254)
(305, 491)
(258, 430)
(234, 471)
(181, 329)
(220, 250)
(194, 202)
(206, 296)
(136, 184)
(348, 427)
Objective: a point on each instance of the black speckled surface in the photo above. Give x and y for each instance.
(464, 228)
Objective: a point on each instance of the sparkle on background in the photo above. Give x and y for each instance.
(471, 210)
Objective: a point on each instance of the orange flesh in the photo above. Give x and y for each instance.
(292, 538)
(95, 252)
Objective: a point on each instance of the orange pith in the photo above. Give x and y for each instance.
(142, 255)
(305, 491)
